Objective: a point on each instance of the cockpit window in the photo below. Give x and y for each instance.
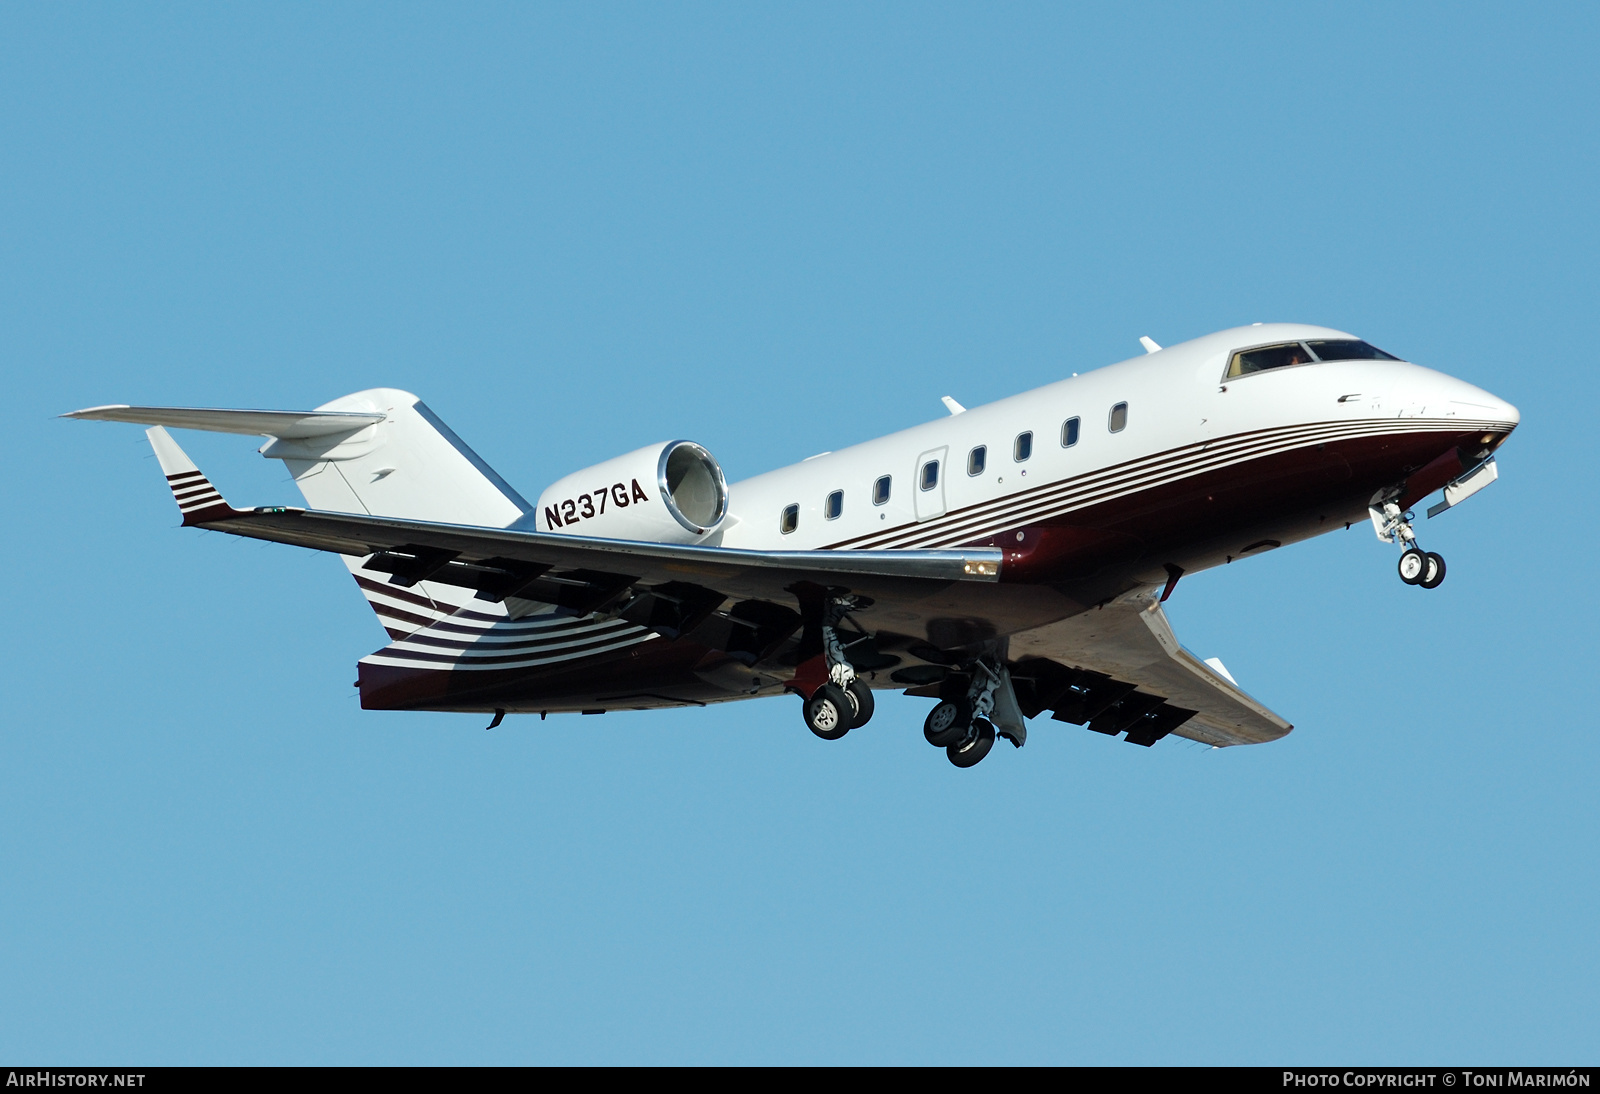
(1349, 349)
(1263, 358)
(1259, 360)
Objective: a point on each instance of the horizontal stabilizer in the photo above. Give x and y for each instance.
(197, 499)
(287, 424)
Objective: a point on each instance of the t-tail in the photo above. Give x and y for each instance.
(380, 452)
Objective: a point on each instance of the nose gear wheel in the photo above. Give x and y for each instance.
(1413, 566)
(1417, 567)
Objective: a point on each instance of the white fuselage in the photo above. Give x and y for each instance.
(1174, 398)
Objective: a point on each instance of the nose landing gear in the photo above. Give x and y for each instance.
(1391, 523)
(1418, 567)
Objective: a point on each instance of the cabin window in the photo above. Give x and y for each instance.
(930, 475)
(880, 491)
(1069, 433)
(835, 505)
(1023, 448)
(1119, 417)
(1349, 349)
(790, 519)
(976, 459)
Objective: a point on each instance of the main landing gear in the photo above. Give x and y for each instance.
(1417, 567)
(845, 701)
(961, 726)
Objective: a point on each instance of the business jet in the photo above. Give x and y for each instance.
(1004, 561)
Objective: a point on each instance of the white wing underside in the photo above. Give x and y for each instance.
(1131, 639)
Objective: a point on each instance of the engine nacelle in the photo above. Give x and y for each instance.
(666, 493)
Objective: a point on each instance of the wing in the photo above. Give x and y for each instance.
(938, 595)
(1111, 669)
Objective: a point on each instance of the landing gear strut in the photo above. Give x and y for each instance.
(1391, 523)
(844, 702)
(961, 726)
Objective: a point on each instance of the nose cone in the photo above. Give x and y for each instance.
(1468, 401)
(1511, 414)
(1432, 394)
(1476, 410)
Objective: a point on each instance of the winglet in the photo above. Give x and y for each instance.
(197, 499)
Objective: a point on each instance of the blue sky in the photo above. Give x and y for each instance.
(777, 230)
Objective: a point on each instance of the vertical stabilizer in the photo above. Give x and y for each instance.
(409, 464)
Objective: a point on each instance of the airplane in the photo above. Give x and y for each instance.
(1004, 561)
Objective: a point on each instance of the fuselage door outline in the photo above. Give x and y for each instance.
(929, 500)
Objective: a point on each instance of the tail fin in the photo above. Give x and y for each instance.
(409, 464)
(380, 452)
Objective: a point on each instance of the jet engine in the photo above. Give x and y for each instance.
(666, 493)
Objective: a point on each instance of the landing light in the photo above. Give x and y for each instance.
(982, 569)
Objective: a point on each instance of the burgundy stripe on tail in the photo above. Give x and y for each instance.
(197, 499)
